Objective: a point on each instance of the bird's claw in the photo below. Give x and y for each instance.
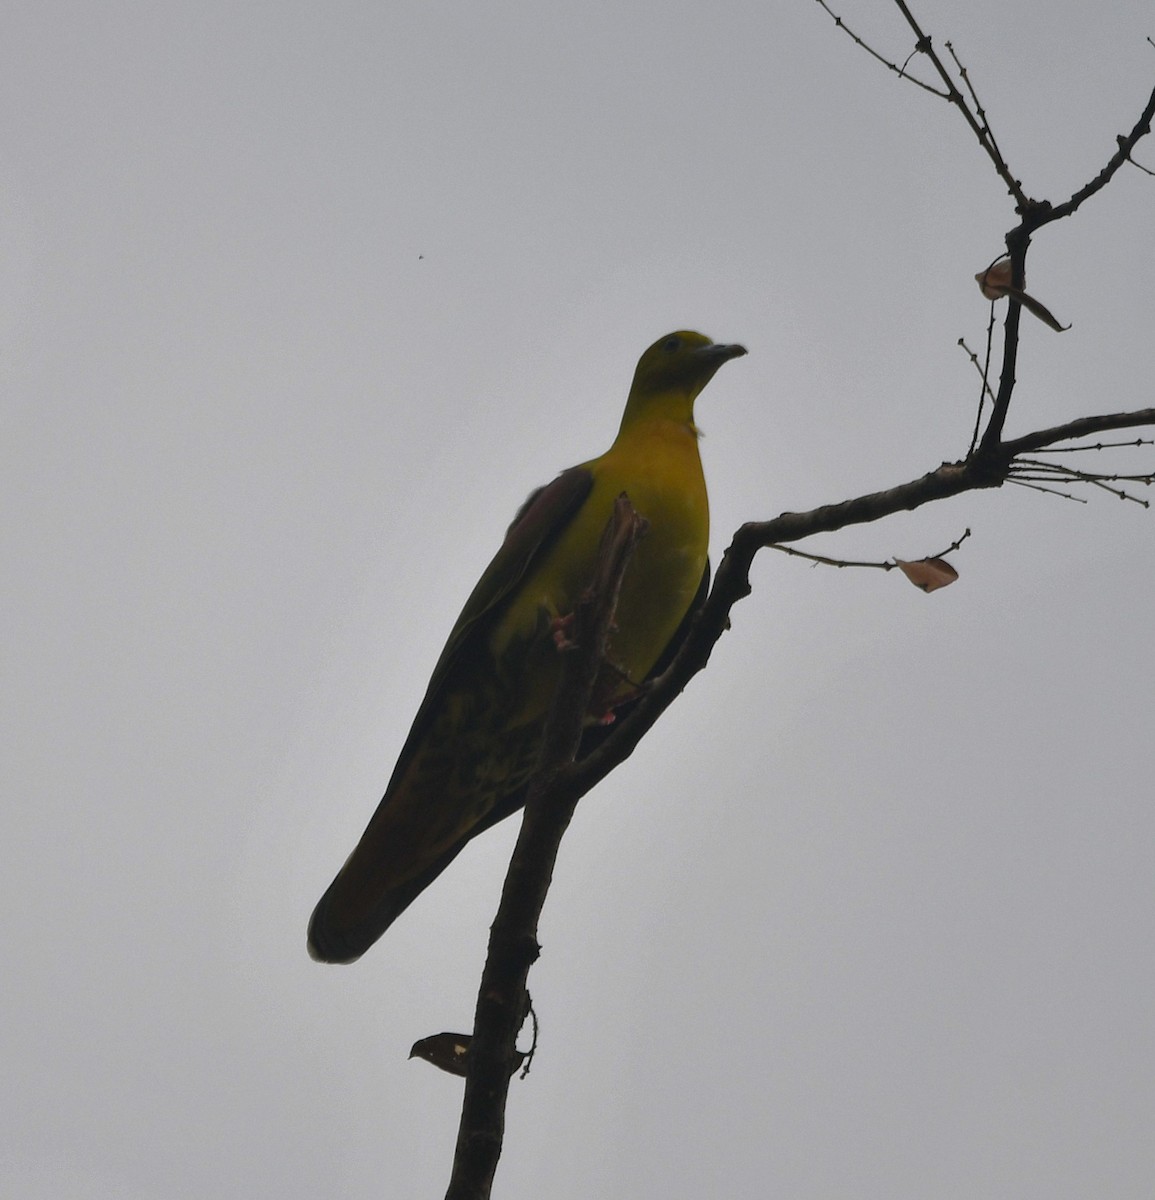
(559, 629)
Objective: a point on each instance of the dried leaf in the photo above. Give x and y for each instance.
(995, 283)
(930, 574)
(446, 1051)
(450, 1052)
(1039, 310)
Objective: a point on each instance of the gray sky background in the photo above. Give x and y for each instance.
(299, 301)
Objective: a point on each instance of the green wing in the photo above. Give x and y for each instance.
(363, 900)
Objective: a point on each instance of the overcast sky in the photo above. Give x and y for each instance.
(299, 301)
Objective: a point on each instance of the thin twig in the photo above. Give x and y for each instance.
(1102, 446)
(955, 97)
(1140, 166)
(822, 560)
(901, 72)
(1038, 487)
(985, 389)
(1057, 468)
(1030, 469)
(980, 112)
(953, 546)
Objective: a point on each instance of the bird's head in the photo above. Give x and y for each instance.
(674, 370)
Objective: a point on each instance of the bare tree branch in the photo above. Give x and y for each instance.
(1079, 428)
(502, 1001)
(1126, 142)
(732, 581)
(560, 782)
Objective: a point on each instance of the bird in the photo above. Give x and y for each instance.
(474, 742)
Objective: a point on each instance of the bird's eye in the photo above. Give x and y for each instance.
(672, 343)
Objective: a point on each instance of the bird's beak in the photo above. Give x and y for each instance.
(721, 352)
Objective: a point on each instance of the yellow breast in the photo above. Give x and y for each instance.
(656, 463)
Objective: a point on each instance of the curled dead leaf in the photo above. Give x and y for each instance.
(929, 574)
(1036, 309)
(995, 283)
(450, 1052)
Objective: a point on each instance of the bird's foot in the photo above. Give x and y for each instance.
(560, 629)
